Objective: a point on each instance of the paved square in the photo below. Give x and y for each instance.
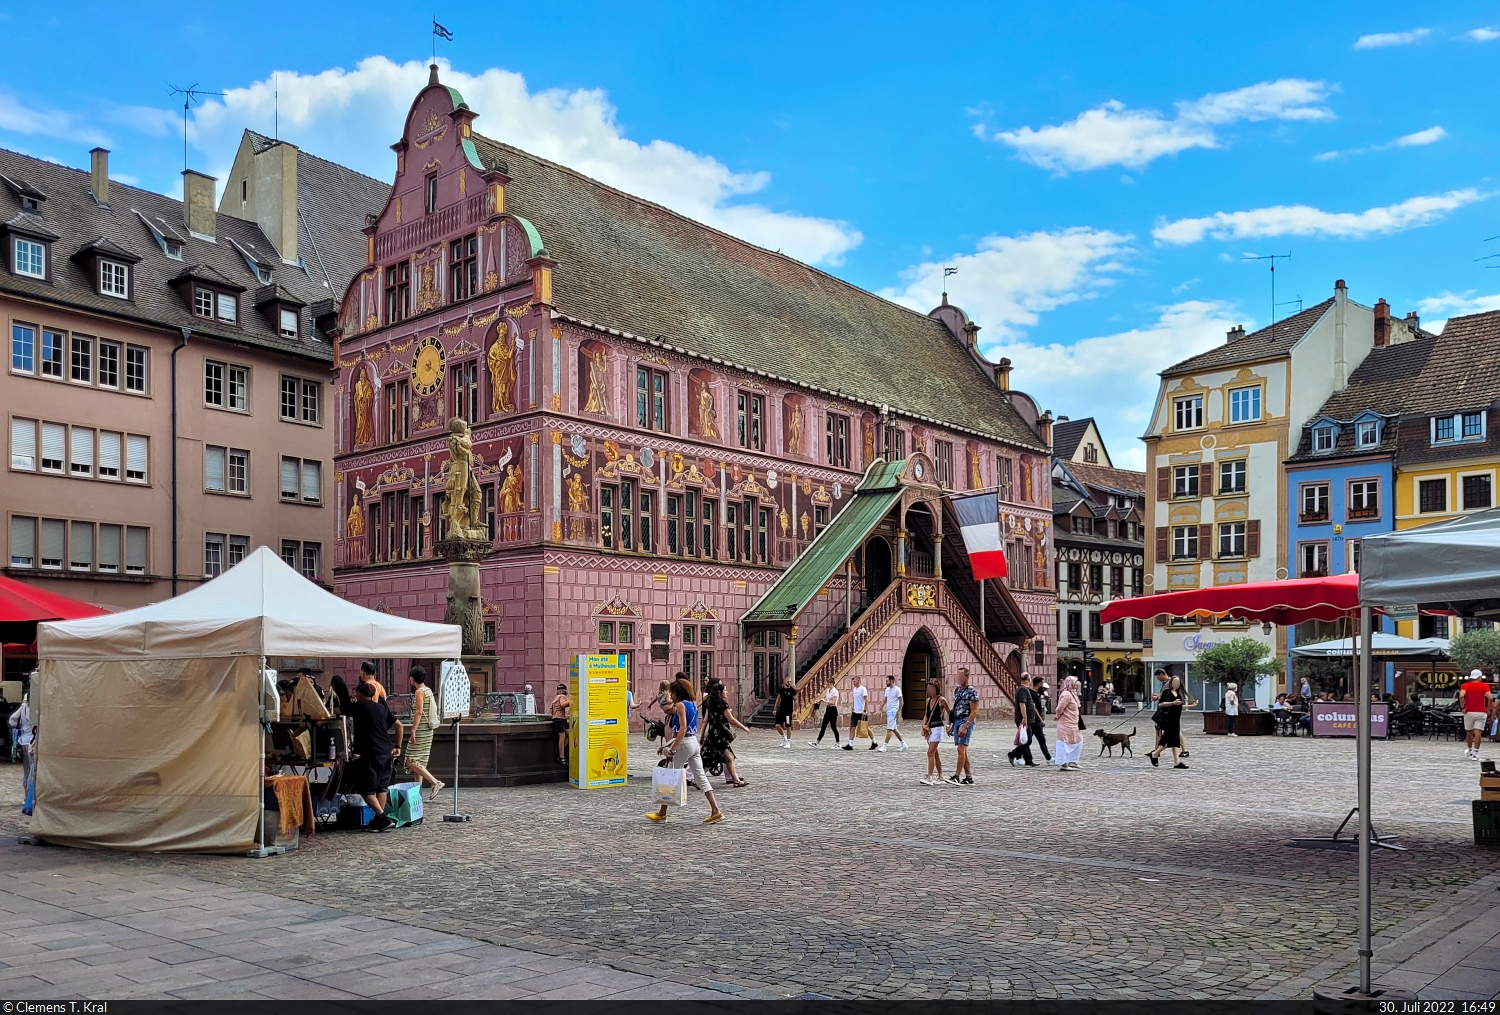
(835, 873)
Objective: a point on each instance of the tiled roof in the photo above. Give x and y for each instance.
(628, 264)
(71, 214)
(1123, 480)
(1066, 434)
(332, 202)
(1275, 340)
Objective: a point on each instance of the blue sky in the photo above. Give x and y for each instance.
(1095, 175)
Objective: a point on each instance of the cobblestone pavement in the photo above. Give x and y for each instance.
(836, 873)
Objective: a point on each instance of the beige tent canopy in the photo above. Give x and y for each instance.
(150, 718)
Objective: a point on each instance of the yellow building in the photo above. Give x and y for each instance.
(1448, 451)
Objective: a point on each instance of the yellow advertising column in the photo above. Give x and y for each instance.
(598, 729)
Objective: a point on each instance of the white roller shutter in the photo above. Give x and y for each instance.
(213, 468)
(135, 457)
(81, 546)
(54, 446)
(289, 478)
(82, 451)
(53, 531)
(109, 454)
(312, 481)
(23, 444)
(109, 549)
(135, 550)
(23, 542)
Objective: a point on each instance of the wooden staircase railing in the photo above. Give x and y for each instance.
(969, 631)
(845, 652)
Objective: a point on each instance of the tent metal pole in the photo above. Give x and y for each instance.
(1365, 829)
(260, 775)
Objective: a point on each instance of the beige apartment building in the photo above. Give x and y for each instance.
(167, 382)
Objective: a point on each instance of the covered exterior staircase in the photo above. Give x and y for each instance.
(844, 630)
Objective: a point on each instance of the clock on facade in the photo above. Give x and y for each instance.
(427, 366)
(918, 470)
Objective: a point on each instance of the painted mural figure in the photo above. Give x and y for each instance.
(578, 497)
(510, 491)
(597, 373)
(869, 443)
(364, 409)
(502, 361)
(708, 417)
(463, 502)
(794, 432)
(355, 524)
(975, 479)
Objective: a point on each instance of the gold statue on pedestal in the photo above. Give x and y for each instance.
(708, 417)
(364, 406)
(794, 432)
(598, 376)
(463, 502)
(502, 363)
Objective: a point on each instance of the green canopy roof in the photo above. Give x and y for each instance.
(791, 593)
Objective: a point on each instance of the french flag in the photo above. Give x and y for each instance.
(979, 521)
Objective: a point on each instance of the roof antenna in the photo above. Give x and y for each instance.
(192, 93)
(946, 273)
(1273, 258)
(275, 108)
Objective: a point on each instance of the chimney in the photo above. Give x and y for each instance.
(198, 202)
(99, 171)
(1340, 322)
(1235, 333)
(1382, 322)
(263, 189)
(1002, 373)
(1413, 320)
(1062, 419)
(1044, 428)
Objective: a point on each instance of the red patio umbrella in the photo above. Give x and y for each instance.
(1285, 602)
(23, 606)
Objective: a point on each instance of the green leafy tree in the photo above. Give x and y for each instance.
(1242, 661)
(1476, 650)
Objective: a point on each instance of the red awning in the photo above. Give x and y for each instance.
(23, 606)
(1284, 602)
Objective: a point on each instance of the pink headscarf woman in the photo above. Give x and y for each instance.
(1069, 746)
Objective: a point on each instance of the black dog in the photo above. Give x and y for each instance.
(1109, 741)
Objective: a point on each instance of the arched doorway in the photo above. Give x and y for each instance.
(922, 662)
(877, 566)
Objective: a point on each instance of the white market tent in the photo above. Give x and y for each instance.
(150, 718)
(1383, 646)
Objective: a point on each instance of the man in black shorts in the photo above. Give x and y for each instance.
(375, 756)
(786, 694)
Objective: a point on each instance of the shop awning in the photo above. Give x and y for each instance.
(1383, 646)
(1285, 602)
(1449, 566)
(23, 606)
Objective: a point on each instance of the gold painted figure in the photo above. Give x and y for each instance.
(463, 503)
(510, 490)
(578, 497)
(975, 479)
(364, 409)
(708, 418)
(794, 432)
(597, 373)
(502, 360)
(355, 524)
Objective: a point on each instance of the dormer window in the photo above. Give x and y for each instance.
(31, 258)
(215, 305)
(1323, 438)
(1473, 425)
(1442, 429)
(228, 308)
(1464, 426)
(114, 279)
(31, 204)
(1368, 434)
(288, 328)
(173, 248)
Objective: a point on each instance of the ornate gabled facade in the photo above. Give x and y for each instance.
(663, 419)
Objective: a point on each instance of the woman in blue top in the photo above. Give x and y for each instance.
(684, 752)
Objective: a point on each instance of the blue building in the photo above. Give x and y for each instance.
(1340, 481)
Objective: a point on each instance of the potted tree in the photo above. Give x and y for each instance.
(1475, 650)
(1241, 661)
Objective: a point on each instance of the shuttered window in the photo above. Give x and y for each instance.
(54, 446)
(213, 468)
(312, 482)
(22, 542)
(23, 444)
(109, 549)
(81, 452)
(81, 546)
(53, 535)
(135, 549)
(135, 458)
(110, 449)
(289, 470)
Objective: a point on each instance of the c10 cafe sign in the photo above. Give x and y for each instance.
(1340, 719)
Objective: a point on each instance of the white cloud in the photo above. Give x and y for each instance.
(18, 117)
(349, 116)
(1421, 137)
(1483, 34)
(1114, 377)
(1304, 220)
(1449, 304)
(1113, 134)
(1380, 40)
(1010, 280)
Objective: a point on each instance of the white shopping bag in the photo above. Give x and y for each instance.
(669, 786)
(1023, 736)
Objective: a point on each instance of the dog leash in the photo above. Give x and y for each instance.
(1128, 718)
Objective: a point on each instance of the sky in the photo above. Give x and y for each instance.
(1099, 174)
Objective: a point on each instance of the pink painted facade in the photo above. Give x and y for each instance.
(640, 495)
